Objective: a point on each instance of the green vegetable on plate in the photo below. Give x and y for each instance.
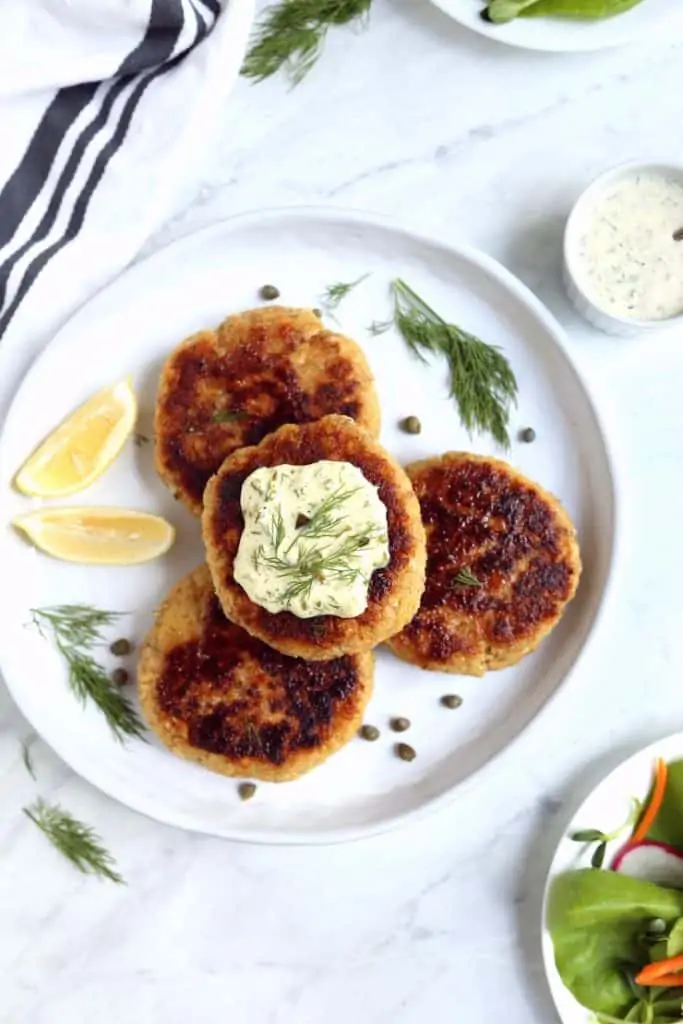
(595, 835)
(501, 11)
(674, 942)
(597, 921)
(617, 938)
(668, 825)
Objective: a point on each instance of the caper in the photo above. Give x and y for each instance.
(119, 677)
(318, 313)
(451, 700)
(400, 724)
(246, 790)
(527, 435)
(270, 292)
(121, 647)
(405, 752)
(411, 425)
(369, 732)
(656, 927)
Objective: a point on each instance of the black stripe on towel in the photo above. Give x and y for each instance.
(81, 205)
(22, 189)
(202, 28)
(151, 50)
(213, 5)
(163, 31)
(27, 181)
(62, 185)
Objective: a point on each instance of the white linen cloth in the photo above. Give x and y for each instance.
(106, 107)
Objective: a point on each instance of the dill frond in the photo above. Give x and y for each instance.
(312, 565)
(481, 381)
(77, 842)
(291, 34)
(334, 294)
(75, 631)
(466, 578)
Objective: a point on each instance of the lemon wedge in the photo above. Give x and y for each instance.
(98, 536)
(83, 446)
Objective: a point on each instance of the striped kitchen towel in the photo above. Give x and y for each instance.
(107, 109)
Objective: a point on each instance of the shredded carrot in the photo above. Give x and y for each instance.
(653, 972)
(652, 810)
(666, 981)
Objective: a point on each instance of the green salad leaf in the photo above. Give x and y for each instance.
(674, 943)
(668, 825)
(598, 921)
(664, 1010)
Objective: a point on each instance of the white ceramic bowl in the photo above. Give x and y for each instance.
(587, 307)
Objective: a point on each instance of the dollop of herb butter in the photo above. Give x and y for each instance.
(313, 536)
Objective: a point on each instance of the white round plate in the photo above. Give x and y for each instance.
(128, 329)
(650, 19)
(606, 808)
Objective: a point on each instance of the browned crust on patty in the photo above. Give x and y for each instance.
(518, 542)
(266, 366)
(216, 695)
(394, 593)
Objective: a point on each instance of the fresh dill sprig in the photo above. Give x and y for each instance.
(291, 34)
(75, 630)
(334, 294)
(228, 416)
(323, 522)
(74, 625)
(481, 380)
(277, 529)
(26, 758)
(77, 842)
(380, 327)
(314, 564)
(466, 578)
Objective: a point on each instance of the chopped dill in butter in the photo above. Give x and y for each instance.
(313, 535)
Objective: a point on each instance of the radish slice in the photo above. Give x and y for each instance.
(654, 862)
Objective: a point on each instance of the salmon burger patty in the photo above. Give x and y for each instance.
(502, 563)
(393, 591)
(225, 388)
(215, 695)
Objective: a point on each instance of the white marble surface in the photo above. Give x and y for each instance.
(438, 923)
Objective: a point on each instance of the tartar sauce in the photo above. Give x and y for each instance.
(628, 262)
(313, 536)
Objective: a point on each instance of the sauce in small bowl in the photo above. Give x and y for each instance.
(623, 249)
